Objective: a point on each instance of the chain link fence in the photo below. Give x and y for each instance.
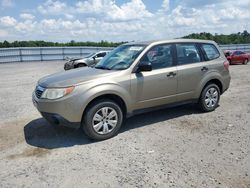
(26, 54)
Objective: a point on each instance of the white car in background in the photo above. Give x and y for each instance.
(89, 60)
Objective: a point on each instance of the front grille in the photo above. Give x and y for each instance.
(39, 91)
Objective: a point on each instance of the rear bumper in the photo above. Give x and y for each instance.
(226, 83)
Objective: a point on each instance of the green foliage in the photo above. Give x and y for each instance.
(235, 38)
(7, 44)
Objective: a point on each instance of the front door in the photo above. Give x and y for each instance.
(159, 86)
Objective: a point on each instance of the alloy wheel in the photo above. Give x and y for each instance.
(211, 97)
(105, 120)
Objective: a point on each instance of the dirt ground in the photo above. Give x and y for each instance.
(177, 147)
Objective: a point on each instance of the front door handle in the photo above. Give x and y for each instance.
(171, 74)
(204, 69)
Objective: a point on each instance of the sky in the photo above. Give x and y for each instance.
(119, 20)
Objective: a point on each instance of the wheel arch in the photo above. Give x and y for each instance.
(211, 81)
(80, 63)
(113, 97)
(217, 82)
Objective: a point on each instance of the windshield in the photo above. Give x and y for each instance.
(120, 58)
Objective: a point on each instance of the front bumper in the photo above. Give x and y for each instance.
(68, 66)
(56, 119)
(60, 112)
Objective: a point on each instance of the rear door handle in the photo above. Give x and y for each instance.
(204, 69)
(171, 74)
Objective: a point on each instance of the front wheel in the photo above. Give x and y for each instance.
(102, 120)
(209, 98)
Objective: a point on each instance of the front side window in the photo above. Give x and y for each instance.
(211, 51)
(120, 58)
(101, 54)
(187, 54)
(159, 56)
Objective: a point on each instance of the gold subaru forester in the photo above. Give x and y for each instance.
(131, 79)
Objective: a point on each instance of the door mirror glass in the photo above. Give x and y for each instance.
(144, 66)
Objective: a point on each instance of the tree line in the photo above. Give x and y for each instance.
(41, 43)
(235, 38)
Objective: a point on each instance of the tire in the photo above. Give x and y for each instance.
(209, 100)
(98, 126)
(245, 61)
(230, 62)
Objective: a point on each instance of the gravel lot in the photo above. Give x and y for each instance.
(177, 147)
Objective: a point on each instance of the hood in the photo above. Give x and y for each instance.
(74, 59)
(73, 77)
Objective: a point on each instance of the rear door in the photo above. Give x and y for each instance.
(242, 57)
(191, 68)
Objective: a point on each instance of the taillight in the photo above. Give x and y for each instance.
(226, 65)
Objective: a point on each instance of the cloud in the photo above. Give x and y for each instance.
(3, 33)
(52, 7)
(27, 16)
(132, 10)
(7, 3)
(96, 20)
(7, 21)
(165, 4)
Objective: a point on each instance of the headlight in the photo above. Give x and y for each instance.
(56, 93)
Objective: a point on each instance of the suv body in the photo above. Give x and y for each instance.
(89, 60)
(133, 78)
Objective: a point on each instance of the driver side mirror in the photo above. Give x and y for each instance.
(144, 66)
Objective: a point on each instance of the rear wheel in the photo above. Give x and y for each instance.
(102, 120)
(245, 61)
(209, 98)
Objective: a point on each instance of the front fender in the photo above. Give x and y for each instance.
(107, 89)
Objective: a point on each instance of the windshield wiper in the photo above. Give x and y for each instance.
(102, 67)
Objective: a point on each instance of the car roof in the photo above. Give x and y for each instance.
(171, 41)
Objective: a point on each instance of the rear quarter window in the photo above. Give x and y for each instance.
(211, 51)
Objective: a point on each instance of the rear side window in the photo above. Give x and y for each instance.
(211, 51)
(187, 54)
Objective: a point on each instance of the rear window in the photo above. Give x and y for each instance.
(211, 51)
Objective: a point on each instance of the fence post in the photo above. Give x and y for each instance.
(81, 53)
(63, 54)
(20, 54)
(41, 54)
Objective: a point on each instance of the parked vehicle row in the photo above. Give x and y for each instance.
(237, 57)
(131, 79)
